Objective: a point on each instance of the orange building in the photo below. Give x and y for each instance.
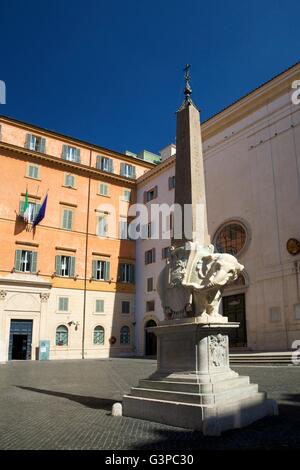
(67, 285)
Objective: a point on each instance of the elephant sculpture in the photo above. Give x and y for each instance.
(192, 282)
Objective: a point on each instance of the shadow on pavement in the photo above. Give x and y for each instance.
(90, 402)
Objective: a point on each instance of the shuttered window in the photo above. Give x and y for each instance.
(103, 189)
(150, 256)
(99, 307)
(71, 154)
(125, 306)
(67, 221)
(36, 143)
(101, 270)
(26, 261)
(63, 304)
(65, 266)
(102, 226)
(171, 182)
(33, 171)
(105, 164)
(126, 272)
(69, 180)
(128, 170)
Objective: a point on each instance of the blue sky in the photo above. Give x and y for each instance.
(110, 72)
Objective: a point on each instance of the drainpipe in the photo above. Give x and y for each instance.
(86, 261)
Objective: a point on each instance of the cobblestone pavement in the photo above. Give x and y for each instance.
(67, 404)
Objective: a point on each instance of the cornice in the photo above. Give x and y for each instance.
(66, 164)
(248, 104)
(76, 142)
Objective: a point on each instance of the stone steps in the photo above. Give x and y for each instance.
(237, 393)
(262, 358)
(194, 387)
(210, 420)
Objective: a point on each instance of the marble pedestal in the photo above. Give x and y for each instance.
(193, 386)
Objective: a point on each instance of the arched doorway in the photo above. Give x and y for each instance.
(150, 339)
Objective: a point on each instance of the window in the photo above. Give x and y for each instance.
(71, 154)
(165, 252)
(31, 211)
(150, 284)
(33, 171)
(69, 180)
(125, 335)
(63, 304)
(99, 335)
(62, 334)
(99, 307)
(150, 256)
(127, 195)
(150, 306)
(65, 266)
(297, 311)
(102, 226)
(25, 261)
(123, 228)
(67, 220)
(105, 164)
(101, 270)
(231, 238)
(127, 170)
(103, 189)
(275, 314)
(36, 143)
(151, 194)
(126, 273)
(125, 306)
(172, 182)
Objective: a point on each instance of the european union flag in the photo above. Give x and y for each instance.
(41, 213)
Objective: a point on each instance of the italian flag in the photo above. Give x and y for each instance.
(26, 208)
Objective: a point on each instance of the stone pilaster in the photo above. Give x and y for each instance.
(3, 295)
(43, 319)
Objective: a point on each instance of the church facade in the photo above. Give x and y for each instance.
(76, 285)
(252, 160)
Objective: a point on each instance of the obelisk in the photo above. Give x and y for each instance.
(190, 192)
(194, 386)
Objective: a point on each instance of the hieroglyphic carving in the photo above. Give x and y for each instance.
(218, 350)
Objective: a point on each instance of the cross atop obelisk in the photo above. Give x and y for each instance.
(189, 176)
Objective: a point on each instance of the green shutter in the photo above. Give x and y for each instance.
(77, 155)
(132, 273)
(122, 172)
(98, 162)
(42, 145)
(72, 266)
(111, 165)
(94, 269)
(27, 141)
(33, 262)
(67, 219)
(18, 260)
(65, 151)
(21, 208)
(58, 265)
(133, 172)
(107, 271)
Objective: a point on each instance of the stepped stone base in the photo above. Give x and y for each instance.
(194, 386)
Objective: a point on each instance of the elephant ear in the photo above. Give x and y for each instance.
(202, 265)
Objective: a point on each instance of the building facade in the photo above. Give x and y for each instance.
(76, 286)
(252, 161)
(66, 286)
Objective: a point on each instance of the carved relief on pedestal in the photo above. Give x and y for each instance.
(218, 350)
(3, 294)
(44, 296)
